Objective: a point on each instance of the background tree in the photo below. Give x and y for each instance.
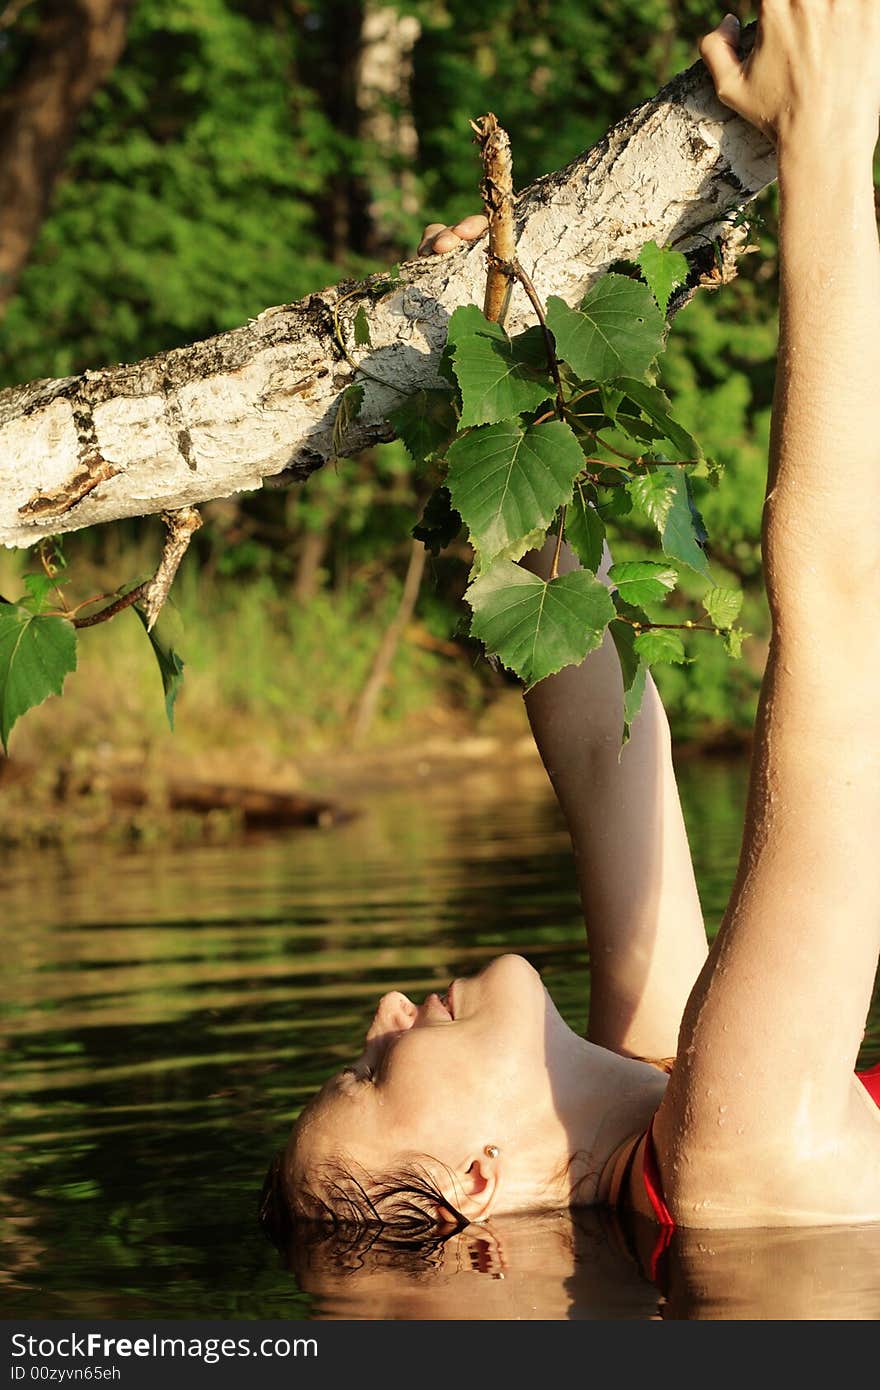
(62, 53)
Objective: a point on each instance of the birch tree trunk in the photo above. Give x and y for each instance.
(259, 402)
(384, 88)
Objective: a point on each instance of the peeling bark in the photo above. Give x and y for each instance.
(220, 416)
(77, 44)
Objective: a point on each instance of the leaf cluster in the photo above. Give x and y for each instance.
(562, 433)
(38, 650)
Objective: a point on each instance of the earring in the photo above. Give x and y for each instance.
(491, 1151)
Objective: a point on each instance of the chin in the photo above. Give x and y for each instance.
(515, 978)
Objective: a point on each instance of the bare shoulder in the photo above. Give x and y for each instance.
(723, 1180)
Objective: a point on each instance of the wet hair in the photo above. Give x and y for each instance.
(400, 1213)
(397, 1214)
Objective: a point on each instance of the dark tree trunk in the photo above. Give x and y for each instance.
(77, 44)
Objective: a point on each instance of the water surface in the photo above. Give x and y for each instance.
(165, 1013)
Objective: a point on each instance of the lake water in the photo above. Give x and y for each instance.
(164, 1013)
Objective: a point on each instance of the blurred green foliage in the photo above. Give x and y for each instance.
(224, 167)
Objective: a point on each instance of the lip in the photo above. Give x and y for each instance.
(434, 1008)
(450, 1000)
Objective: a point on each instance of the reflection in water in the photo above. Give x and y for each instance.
(583, 1264)
(162, 1016)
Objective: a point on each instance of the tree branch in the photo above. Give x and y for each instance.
(259, 402)
(496, 190)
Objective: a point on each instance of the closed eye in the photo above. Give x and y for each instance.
(363, 1073)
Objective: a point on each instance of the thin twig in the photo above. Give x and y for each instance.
(549, 341)
(554, 568)
(51, 572)
(630, 458)
(340, 343)
(673, 627)
(180, 526)
(66, 612)
(118, 606)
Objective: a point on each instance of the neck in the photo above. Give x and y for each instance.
(597, 1099)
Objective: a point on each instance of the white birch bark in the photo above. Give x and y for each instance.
(384, 89)
(220, 416)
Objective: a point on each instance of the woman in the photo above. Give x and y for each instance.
(485, 1101)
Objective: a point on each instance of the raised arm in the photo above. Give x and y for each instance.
(644, 925)
(645, 930)
(772, 1031)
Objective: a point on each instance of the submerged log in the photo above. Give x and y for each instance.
(257, 807)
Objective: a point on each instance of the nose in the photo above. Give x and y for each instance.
(394, 1014)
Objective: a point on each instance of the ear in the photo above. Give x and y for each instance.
(474, 1189)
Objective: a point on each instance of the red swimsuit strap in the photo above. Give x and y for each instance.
(653, 1181)
(871, 1082)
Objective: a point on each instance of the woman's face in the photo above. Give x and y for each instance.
(441, 1079)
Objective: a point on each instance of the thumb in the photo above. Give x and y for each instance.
(719, 50)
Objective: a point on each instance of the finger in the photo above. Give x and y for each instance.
(469, 228)
(426, 245)
(446, 241)
(719, 50)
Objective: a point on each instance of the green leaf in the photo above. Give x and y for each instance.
(618, 330)
(664, 496)
(656, 405)
(347, 411)
(38, 587)
(426, 421)
(440, 523)
(170, 664)
(611, 397)
(657, 646)
(616, 504)
(533, 540)
(362, 329)
(584, 529)
(633, 671)
(507, 480)
(537, 627)
(663, 270)
(629, 610)
(499, 377)
(36, 653)
(715, 471)
(638, 429)
(723, 606)
(684, 532)
(654, 493)
(642, 581)
(733, 641)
